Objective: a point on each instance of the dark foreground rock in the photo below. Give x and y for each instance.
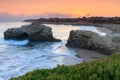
(33, 32)
(93, 41)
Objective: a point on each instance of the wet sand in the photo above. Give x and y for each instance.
(89, 55)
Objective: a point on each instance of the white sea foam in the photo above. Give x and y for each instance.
(93, 29)
(14, 42)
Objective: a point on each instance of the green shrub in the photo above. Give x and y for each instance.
(105, 69)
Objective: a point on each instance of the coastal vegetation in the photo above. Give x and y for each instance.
(105, 69)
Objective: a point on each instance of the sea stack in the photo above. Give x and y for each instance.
(33, 32)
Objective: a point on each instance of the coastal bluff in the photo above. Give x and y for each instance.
(33, 32)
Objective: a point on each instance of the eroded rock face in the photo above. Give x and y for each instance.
(93, 41)
(33, 32)
(15, 33)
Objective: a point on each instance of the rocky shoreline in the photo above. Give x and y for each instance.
(92, 41)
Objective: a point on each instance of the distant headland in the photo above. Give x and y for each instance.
(77, 21)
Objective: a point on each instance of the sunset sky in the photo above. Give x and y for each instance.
(60, 8)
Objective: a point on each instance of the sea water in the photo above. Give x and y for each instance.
(19, 57)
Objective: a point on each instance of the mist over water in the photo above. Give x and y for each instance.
(19, 57)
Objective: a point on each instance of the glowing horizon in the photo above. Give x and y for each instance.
(73, 8)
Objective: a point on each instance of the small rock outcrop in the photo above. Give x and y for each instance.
(33, 32)
(93, 41)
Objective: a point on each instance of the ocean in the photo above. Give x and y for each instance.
(19, 57)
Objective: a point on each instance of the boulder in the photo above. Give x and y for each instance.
(92, 41)
(33, 32)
